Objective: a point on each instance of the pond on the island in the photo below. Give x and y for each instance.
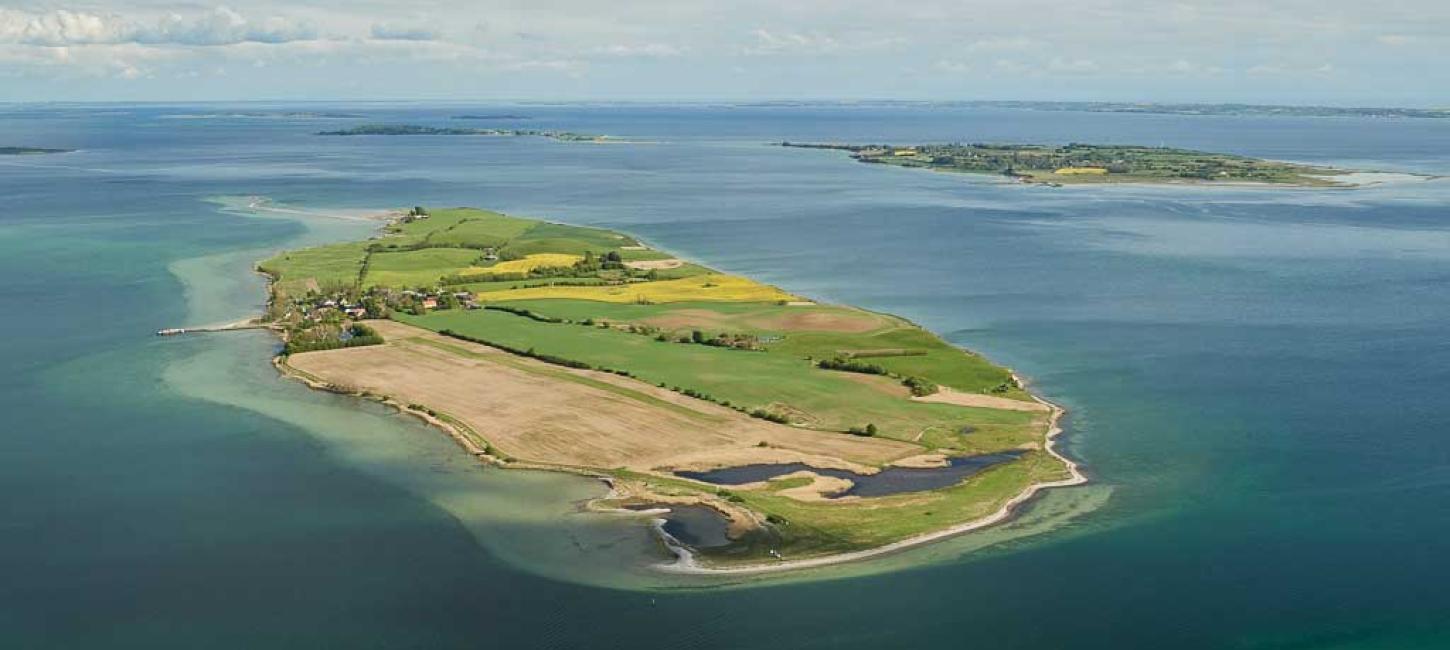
(697, 526)
(892, 480)
(694, 526)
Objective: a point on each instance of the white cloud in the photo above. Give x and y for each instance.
(953, 67)
(1135, 49)
(1072, 66)
(768, 42)
(220, 26)
(1006, 44)
(397, 33)
(646, 50)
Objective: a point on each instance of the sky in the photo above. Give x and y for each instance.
(1335, 52)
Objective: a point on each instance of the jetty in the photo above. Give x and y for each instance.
(243, 325)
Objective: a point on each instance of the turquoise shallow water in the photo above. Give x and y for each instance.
(1256, 379)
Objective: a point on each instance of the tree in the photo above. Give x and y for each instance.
(870, 429)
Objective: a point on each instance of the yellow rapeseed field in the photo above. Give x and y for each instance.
(529, 263)
(1081, 170)
(713, 286)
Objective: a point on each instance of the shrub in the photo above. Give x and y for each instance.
(920, 387)
(849, 365)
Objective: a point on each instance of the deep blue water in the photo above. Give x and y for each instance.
(1259, 377)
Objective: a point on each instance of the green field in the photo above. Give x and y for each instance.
(419, 268)
(891, 342)
(777, 381)
(318, 269)
(422, 252)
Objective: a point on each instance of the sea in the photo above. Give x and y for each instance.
(1257, 380)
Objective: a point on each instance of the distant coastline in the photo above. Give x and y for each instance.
(31, 151)
(1077, 163)
(500, 116)
(421, 130)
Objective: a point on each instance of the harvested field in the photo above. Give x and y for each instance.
(948, 396)
(835, 320)
(646, 265)
(537, 412)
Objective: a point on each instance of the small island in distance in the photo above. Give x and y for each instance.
(501, 116)
(416, 129)
(1223, 109)
(1087, 163)
(30, 151)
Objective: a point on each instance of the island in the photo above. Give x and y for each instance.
(30, 151)
(766, 430)
(1264, 110)
(491, 116)
(415, 129)
(1087, 163)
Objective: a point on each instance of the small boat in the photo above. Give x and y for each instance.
(171, 331)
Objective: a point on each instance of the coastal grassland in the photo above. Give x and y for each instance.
(705, 287)
(823, 527)
(808, 331)
(318, 268)
(547, 237)
(779, 383)
(457, 227)
(477, 230)
(422, 267)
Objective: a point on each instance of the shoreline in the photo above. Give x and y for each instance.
(685, 562)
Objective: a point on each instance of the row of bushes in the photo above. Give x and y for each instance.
(846, 364)
(888, 352)
(919, 387)
(361, 335)
(526, 313)
(394, 247)
(535, 354)
(1004, 386)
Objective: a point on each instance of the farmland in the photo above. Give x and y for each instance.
(1087, 163)
(584, 349)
